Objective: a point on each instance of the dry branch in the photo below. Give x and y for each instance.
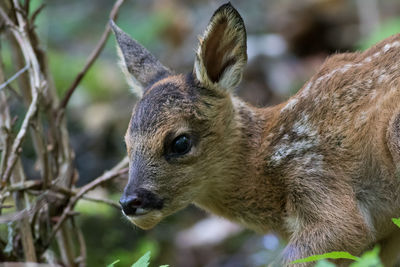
(21, 35)
(42, 206)
(12, 78)
(118, 170)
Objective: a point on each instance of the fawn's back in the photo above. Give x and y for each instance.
(343, 127)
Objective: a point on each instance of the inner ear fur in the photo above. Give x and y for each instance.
(221, 55)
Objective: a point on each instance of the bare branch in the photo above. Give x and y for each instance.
(15, 151)
(103, 200)
(36, 13)
(53, 196)
(16, 216)
(15, 76)
(93, 56)
(24, 185)
(81, 260)
(117, 171)
(70, 192)
(23, 224)
(36, 84)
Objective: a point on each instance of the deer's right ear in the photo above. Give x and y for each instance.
(221, 55)
(140, 67)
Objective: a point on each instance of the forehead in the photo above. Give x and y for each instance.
(169, 98)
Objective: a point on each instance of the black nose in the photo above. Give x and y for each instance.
(130, 203)
(140, 198)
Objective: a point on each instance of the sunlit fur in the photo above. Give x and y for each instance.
(321, 169)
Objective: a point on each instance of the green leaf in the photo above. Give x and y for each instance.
(324, 263)
(330, 255)
(369, 259)
(396, 221)
(113, 263)
(143, 261)
(166, 265)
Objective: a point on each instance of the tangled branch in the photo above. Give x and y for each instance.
(44, 207)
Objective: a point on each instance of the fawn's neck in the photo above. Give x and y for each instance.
(242, 192)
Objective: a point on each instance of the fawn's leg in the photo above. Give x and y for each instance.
(325, 218)
(325, 237)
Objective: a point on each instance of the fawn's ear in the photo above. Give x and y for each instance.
(221, 55)
(140, 67)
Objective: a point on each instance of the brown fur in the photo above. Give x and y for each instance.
(321, 169)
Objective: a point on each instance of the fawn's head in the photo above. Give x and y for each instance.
(177, 138)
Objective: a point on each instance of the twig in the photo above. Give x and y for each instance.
(27, 6)
(8, 21)
(15, 76)
(36, 12)
(70, 192)
(81, 260)
(21, 35)
(118, 170)
(103, 200)
(95, 53)
(5, 124)
(24, 185)
(23, 224)
(15, 151)
(16, 216)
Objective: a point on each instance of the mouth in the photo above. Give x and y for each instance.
(138, 212)
(144, 218)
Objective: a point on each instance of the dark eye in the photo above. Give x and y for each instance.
(181, 145)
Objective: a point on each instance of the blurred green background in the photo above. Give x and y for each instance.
(287, 42)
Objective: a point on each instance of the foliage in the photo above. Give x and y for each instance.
(324, 263)
(143, 261)
(368, 259)
(113, 263)
(330, 255)
(396, 221)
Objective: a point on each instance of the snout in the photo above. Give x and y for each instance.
(139, 202)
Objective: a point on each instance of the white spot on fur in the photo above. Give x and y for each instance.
(349, 66)
(303, 127)
(391, 45)
(285, 150)
(293, 224)
(313, 163)
(309, 139)
(362, 119)
(383, 78)
(306, 89)
(290, 105)
(363, 116)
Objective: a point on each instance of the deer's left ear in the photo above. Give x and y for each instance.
(221, 55)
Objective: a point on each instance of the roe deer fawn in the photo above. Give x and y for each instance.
(321, 169)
